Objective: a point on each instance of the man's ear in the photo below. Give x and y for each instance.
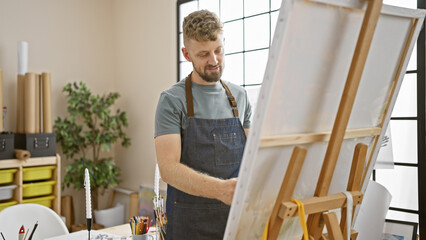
(186, 54)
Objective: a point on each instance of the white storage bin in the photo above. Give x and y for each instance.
(111, 216)
(6, 192)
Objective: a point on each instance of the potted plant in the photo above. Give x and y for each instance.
(90, 129)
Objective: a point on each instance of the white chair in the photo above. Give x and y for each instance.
(49, 223)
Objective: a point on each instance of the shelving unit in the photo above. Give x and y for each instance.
(36, 162)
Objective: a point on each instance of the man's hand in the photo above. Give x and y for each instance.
(228, 189)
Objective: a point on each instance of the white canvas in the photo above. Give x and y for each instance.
(307, 68)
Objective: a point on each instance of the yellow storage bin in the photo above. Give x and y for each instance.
(7, 204)
(6, 175)
(45, 201)
(37, 189)
(37, 173)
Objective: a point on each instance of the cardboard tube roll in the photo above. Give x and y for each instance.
(67, 210)
(47, 102)
(133, 204)
(1, 100)
(20, 105)
(37, 104)
(29, 103)
(22, 154)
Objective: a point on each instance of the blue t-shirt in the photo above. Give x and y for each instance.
(210, 102)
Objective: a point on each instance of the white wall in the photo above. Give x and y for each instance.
(145, 54)
(112, 45)
(70, 39)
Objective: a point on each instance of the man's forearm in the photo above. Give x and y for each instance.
(190, 181)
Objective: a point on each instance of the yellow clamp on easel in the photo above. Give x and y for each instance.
(265, 232)
(302, 219)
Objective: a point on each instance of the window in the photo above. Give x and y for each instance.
(249, 27)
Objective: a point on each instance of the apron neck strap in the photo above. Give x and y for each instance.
(231, 99)
(190, 103)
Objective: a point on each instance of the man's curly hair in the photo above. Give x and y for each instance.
(201, 26)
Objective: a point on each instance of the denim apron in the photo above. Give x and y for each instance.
(214, 147)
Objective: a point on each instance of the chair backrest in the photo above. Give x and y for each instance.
(49, 223)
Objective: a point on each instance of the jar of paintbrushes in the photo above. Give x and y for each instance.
(140, 226)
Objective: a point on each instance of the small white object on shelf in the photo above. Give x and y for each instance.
(22, 57)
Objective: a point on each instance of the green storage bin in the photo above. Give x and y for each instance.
(6, 175)
(37, 189)
(45, 201)
(37, 173)
(7, 204)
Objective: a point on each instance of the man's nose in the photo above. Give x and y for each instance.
(213, 60)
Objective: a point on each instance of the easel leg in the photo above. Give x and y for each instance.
(354, 235)
(286, 191)
(354, 182)
(315, 222)
(332, 224)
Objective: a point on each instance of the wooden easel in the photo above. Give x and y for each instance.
(318, 205)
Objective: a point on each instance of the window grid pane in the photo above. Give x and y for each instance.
(412, 64)
(185, 69)
(402, 216)
(252, 7)
(399, 3)
(401, 182)
(234, 64)
(275, 4)
(406, 101)
(253, 93)
(274, 18)
(255, 64)
(234, 35)
(404, 140)
(256, 32)
(230, 10)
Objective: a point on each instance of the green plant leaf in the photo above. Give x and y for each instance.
(90, 129)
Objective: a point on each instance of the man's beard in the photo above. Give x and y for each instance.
(211, 76)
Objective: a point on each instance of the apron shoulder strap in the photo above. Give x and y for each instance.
(189, 102)
(231, 99)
